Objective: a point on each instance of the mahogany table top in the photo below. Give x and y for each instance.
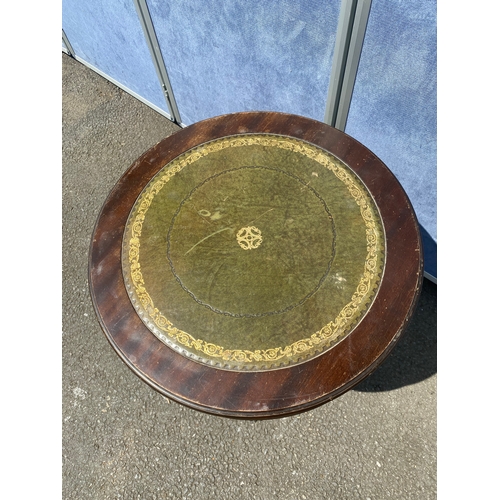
(255, 265)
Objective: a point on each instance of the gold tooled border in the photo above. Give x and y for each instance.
(333, 331)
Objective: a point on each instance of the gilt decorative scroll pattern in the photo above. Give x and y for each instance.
(250, 238)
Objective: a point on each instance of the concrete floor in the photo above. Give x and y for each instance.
(123, 440)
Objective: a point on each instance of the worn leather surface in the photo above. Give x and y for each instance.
(253, 254)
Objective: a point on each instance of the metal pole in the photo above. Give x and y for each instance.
(352, 63)
(159, 63)
(342, 41)
(71, 52)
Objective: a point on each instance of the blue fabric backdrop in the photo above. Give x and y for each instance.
(393, 110)
(226, 56)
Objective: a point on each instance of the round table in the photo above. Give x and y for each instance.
(255, 265)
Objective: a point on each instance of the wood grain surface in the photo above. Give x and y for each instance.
(271, 393)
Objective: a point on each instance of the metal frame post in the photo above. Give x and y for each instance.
(69, 48)
(156, 55)
(342, 39)
(353, 19)
(352, 63)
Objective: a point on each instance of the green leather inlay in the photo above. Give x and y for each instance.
(253, 252)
